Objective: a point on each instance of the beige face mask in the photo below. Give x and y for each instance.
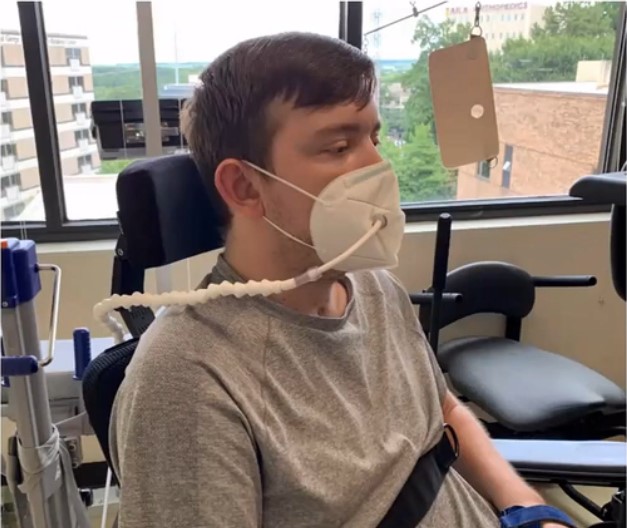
(346, 209)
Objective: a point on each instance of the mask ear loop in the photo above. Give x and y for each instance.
(285, 182)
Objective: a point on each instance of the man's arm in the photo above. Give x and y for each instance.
(481, 464)
(186, 455)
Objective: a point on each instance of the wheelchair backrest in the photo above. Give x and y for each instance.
(487, 287)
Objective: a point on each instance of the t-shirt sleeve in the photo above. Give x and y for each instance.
(185, 453)
(440, 380)
(412, 320)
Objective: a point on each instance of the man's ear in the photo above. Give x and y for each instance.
(238, 185)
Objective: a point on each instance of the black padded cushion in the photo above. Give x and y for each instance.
(165, 212)
(607, 188)
(486, 287)
(618, 249)
(525, 388)
(580, 462)
(101, 381)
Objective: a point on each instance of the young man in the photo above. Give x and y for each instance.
(309, 408)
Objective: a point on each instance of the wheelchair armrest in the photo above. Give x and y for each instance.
(578, 462)
(564, 281)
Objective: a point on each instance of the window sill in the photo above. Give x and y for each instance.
(108, 245)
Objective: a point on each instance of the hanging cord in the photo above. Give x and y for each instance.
(415, 13)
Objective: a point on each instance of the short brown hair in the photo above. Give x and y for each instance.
(226, 117)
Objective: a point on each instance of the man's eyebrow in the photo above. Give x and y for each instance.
(344, 128)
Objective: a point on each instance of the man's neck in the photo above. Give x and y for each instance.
(326, 297)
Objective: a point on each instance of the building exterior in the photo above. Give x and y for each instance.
(550, 135)
(500, 22)
(72, 86)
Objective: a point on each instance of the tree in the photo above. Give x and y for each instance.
(430, 36)
(570, 32)
(418, 167)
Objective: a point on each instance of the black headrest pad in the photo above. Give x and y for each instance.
(165, 212)
(607, 188)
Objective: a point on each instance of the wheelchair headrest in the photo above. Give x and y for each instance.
(164, 211)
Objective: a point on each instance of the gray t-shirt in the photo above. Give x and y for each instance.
(243, 413)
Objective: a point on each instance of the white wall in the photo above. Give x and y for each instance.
(587, 324)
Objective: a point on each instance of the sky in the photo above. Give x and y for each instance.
(199, 30)
(204, 29)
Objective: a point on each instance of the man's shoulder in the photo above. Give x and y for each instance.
(197, 338)
(380, 281)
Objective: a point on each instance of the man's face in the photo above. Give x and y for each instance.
(312, 147)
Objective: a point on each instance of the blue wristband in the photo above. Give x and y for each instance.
(533, 517)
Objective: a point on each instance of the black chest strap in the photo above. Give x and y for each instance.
(421, 488)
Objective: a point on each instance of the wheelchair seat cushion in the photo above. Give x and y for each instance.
(525, 388)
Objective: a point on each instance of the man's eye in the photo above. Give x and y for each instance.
(337, 149)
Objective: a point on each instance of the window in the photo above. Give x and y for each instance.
(76, 81)
(81, 134)
(10, 185)
(73, 54)
(483, 169)
(8, 149)
(507, 166)
(533, 91)
(84, 160)
(80, 108)
(7, 118)
(185, 45)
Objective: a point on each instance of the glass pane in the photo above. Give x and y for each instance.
(550, 65)
(20, 197)
(186, 44)
(90, 63)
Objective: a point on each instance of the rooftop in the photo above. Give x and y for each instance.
(573, 87)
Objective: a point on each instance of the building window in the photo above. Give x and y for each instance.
(4, 87)
(84, 160)
(12, 180)
(81, 134)
(79, 108)
(73, 53)
(7, 119)
(507, 166)
(77, 81)
(7, 150)
(483, 170)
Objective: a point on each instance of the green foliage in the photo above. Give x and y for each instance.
(114, 166)
(418, 167)
(430, 36)
(570, 32)
(124, 81)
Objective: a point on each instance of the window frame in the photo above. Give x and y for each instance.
(56, 227)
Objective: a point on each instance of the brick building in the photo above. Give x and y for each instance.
(550, 135)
